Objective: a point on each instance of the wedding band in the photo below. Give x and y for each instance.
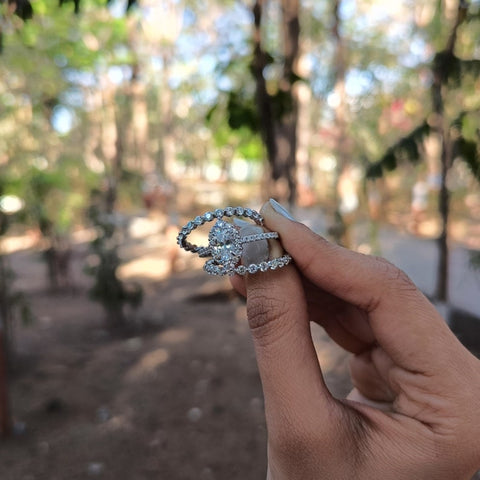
(225, 244)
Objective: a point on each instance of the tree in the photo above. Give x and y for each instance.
(13, 304)
(452, 126)
(278, 111)
(342, 141)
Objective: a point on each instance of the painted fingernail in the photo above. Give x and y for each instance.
(280, 209)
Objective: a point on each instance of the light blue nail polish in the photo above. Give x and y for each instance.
(280, 209)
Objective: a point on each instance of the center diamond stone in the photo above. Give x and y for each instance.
(224, 242)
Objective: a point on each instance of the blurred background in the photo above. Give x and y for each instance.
(122, 120)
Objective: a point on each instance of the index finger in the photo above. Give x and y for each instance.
(404, 322)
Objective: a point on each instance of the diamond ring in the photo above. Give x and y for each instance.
(225, 243)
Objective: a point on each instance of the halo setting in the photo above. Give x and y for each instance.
(225, 244)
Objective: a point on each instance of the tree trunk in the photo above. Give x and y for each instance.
(304, 171)
(5, 419)
(339, 231)
(288, 134)
(112, 147)
(279, 132)
(139, 124)
(442, 129)
(444, 210)
(264, 105)
(167, 142)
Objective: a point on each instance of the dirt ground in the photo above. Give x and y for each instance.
(177, 398)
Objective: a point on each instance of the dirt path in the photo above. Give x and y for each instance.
(178, 399)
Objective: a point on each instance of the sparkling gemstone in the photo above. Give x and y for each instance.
(248, 212)
(240, 211)
(208, 216)
(229, 211)
(198, 221)
(264, 266)
(257, 217)
(190, 226)
(224, 242)
(219, 213)
(252, 268)
(242, 270)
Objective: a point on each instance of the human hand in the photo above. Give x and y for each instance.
(403, 354)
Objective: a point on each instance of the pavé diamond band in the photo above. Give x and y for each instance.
(225, 244)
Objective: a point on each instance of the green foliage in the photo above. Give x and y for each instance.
(406, 149)
(51, 203)
(108, 289)
(243, 138)
(451, 70)
(468, 151)
(242, 111)
(24, 8)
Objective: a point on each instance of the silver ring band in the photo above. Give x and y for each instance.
(213, 269)
(225, 243)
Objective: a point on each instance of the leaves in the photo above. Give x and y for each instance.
(447, 67)
(23, 8)
(406, 149)
(450, 69)
(468, 151)
(242, 112)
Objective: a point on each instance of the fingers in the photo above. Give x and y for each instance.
(403, 321)
(356, 396)
(369, 372)
(345, 324)
(296, 397)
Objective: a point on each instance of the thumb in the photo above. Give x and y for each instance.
(296, 397)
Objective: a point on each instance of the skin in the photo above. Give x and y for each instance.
(415, 411)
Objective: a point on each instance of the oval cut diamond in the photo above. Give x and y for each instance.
(224, 242)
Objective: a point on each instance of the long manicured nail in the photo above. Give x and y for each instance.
(280, 209)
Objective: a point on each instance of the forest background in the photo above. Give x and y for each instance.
(120, 122)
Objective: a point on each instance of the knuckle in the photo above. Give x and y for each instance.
(394, 278)
(391, 281)
(308, 261)
(263, 309)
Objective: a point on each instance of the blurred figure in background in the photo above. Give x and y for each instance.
(419, 204)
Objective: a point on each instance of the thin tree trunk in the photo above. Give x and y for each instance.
(303, 94)
(288, 154)
(259, 62)
(168, 147)
(340, 228)
(279, 134)
(93, 132)
(446, 158)
(139, 124)
(5, 419)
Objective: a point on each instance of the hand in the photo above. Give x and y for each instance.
(403, 354)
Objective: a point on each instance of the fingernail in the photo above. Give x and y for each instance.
(280, 209)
